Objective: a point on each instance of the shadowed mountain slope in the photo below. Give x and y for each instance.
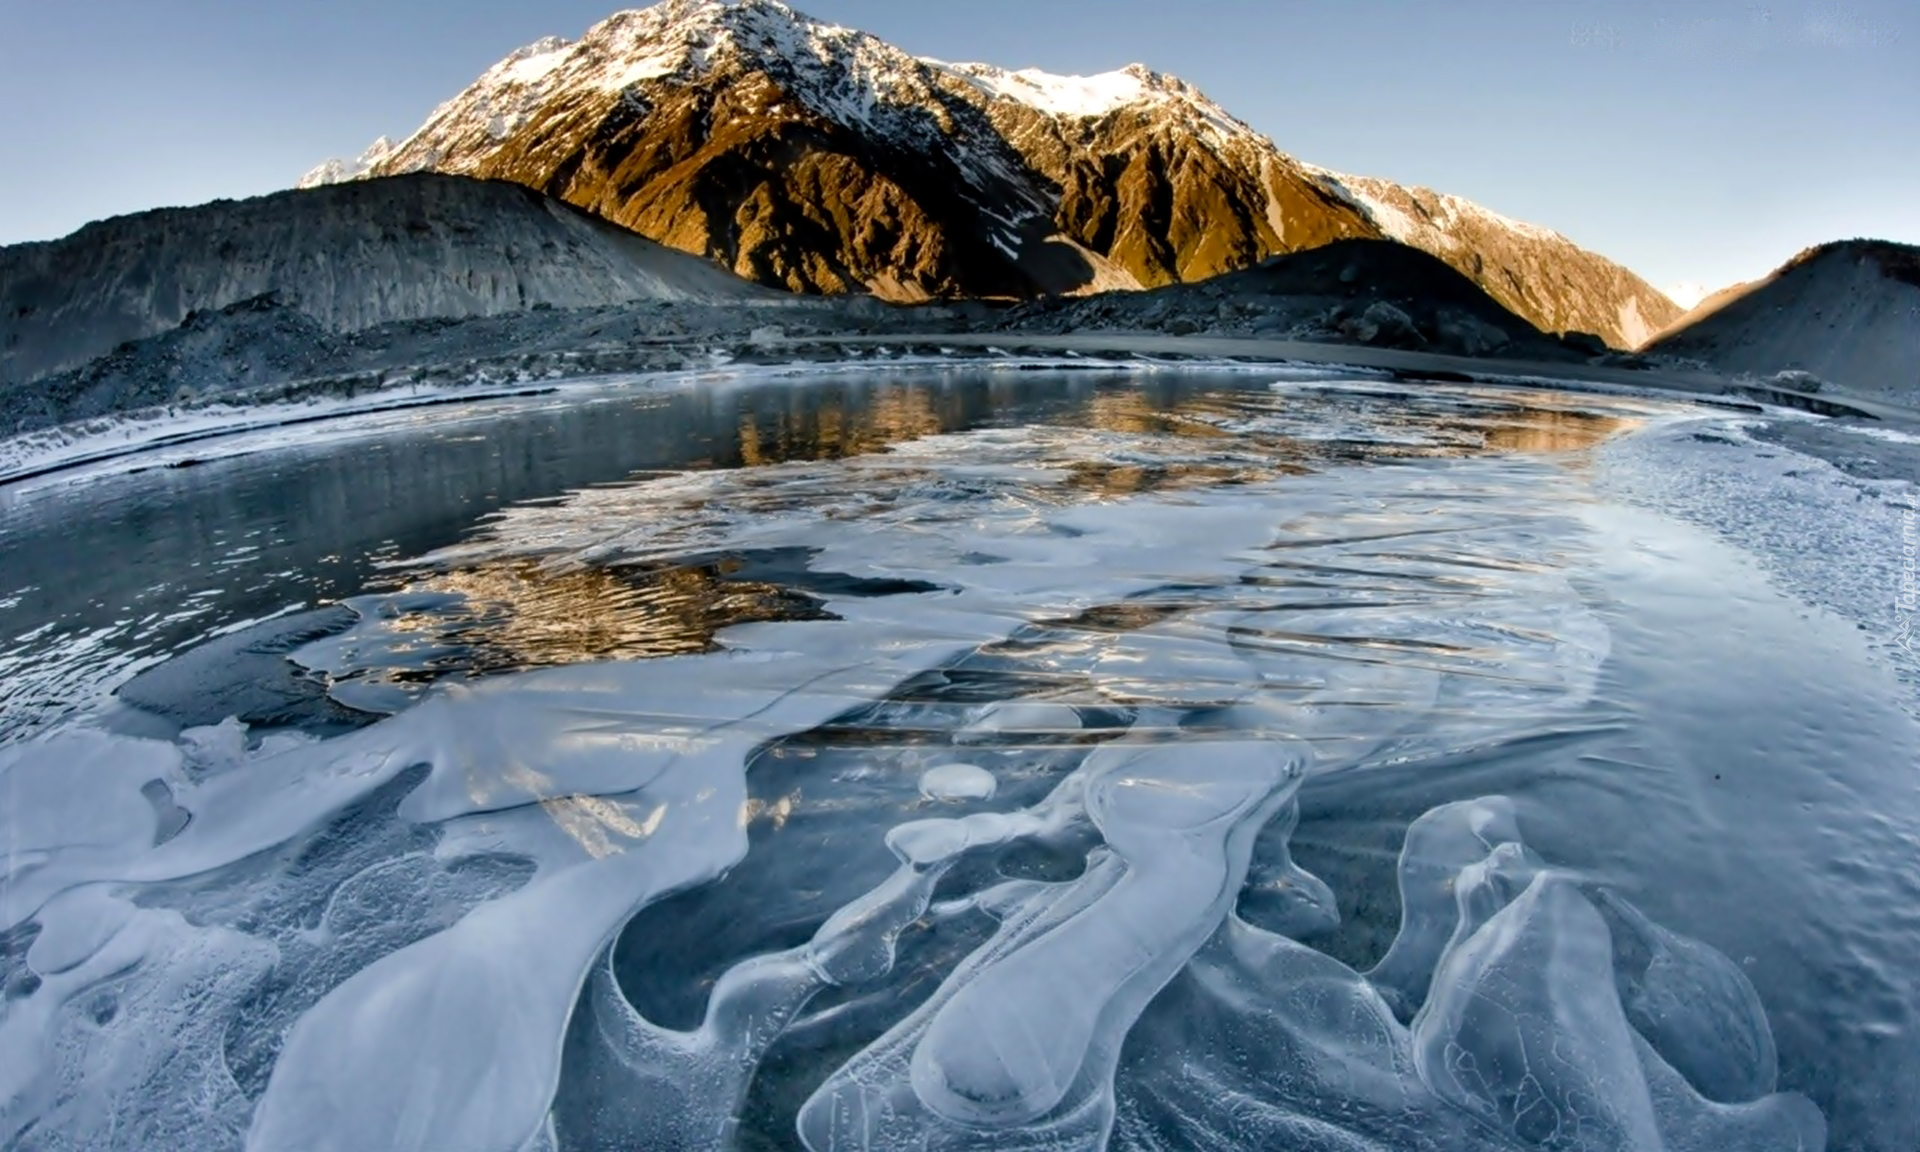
(1376, 292)
(1848, 312)
(348, 257)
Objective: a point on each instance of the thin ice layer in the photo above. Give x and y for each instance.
(1523, 1044)
(1441, 843)
(1692, 1005)
(1302, 1050)
(589, 772)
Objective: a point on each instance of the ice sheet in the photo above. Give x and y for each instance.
(406, 937)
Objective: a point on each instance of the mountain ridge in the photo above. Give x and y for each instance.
(821, 159)
(349, 256)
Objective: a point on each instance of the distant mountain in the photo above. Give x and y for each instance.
(1848, 312)
(821, 159)
(1687, 293)
(348, 257)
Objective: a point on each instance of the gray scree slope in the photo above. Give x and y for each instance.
(1848, 312)
(349, 256)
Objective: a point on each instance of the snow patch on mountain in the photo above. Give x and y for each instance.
(1103, 94)
(337, 171)
(1420, 216)
(1381, 210)
(1633, 325)
(1070, 96)
(535, 61)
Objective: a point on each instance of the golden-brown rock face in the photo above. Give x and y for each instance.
(1165, 188)
(820, 159)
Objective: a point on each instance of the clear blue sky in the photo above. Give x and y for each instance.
(1691, 141)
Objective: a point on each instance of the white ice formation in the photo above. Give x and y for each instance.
(958, 782)
(409, 937)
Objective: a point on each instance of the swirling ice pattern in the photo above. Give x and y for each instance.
(404, 938)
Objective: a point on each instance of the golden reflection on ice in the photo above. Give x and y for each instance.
(594, 822)
(1248, 454)
(836, 427)
(520, 779)
(1117, 479)
(522, 614)
(1127, 412)
(1548, 430)
(774, 812)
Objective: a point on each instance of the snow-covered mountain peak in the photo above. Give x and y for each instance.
(1687, 293)
(839, 72)
(1075, 96)
(632, 59)
(1102, 94)
(340, 171)
(698, 34)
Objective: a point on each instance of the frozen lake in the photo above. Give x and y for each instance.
(962, 759)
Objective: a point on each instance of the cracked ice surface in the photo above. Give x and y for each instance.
(419, 935)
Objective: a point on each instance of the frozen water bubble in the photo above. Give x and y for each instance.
(958, 782)
(928, 842)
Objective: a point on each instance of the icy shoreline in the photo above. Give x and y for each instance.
(147, 434)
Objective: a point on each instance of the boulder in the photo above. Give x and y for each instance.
(1798, 380)
(1465, 335)
(1384, 325)
(1585, 343)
